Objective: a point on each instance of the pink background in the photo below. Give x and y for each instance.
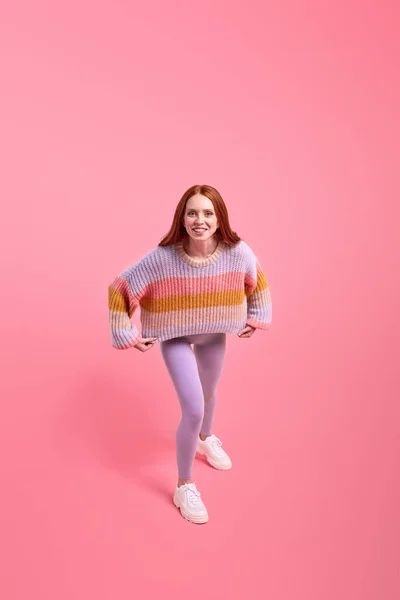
(109, 112)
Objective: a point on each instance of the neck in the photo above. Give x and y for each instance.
(199, 248)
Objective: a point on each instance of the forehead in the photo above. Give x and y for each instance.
(199, 202)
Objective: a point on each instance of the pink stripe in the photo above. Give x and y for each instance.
(250, 281)
(174, 286)
(195, 315)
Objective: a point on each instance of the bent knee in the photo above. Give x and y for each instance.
(193, 417)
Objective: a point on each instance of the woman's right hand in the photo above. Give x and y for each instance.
(145, 344)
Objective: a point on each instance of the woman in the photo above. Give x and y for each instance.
(200, 283)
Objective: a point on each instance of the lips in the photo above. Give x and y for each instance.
(199, 229)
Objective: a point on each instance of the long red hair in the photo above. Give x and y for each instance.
(177, 231)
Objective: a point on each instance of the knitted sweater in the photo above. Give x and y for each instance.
(179, 295)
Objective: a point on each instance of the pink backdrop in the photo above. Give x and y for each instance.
(109, 112)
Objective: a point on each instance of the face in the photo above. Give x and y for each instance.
(200, 220)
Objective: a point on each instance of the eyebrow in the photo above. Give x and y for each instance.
(205, 210)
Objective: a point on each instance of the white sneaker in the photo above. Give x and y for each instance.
(187, 499)
(211, 448)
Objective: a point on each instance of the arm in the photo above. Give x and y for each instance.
(121, 306)
(259, 306)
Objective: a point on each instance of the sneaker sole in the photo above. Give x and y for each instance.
(185, 515)
(220, 467)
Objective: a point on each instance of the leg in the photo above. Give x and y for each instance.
(182, 367)
(210, 358)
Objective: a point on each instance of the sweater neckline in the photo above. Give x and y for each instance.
(200, 262)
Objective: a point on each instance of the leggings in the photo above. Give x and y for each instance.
(194, 373)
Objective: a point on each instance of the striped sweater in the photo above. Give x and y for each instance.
(179, 295)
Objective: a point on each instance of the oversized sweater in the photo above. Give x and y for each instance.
(179, 295)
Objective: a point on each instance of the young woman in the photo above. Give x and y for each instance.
(200, 283)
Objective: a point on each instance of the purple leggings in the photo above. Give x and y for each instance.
(194, 373)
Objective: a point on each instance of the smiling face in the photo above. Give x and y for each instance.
(200, 220)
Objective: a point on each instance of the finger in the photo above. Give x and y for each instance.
(142, 347)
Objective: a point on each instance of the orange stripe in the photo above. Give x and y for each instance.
(261, 282)
(120, 298)
(189, 301)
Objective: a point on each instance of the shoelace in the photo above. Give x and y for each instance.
(216, 445)
(193, 495)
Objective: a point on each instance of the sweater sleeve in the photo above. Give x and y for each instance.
(122, 304)
(259, 305)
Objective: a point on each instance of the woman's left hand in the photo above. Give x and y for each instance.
(246, 332)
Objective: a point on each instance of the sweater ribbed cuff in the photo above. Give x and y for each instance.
(258, 324)
(123, 342)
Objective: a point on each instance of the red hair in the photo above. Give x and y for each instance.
(177, 231)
